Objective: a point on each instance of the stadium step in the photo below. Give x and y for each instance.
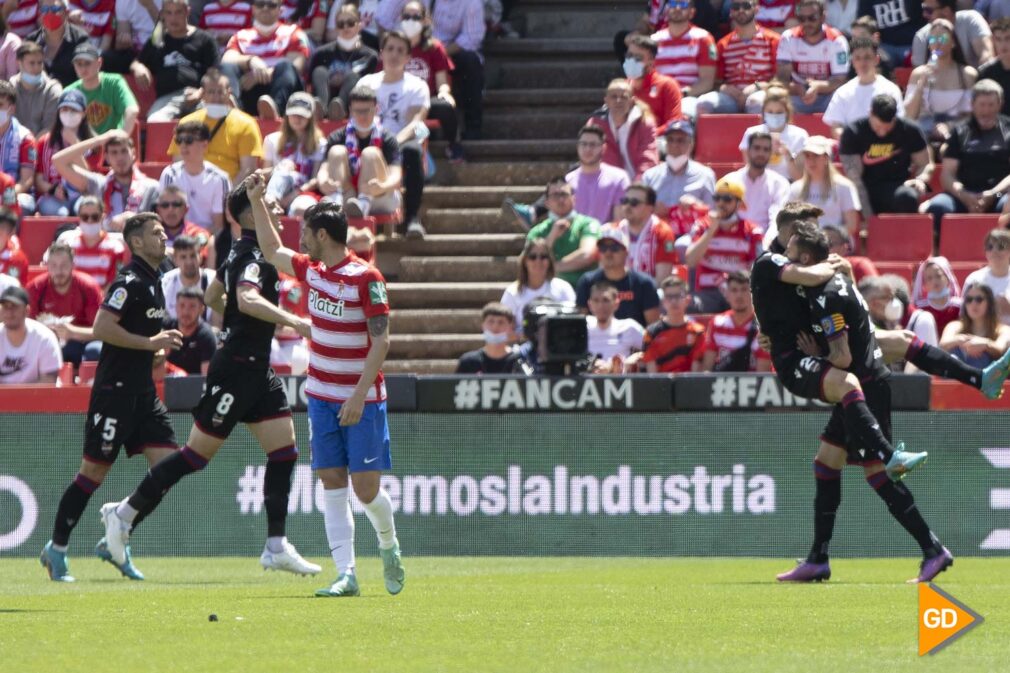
(444, 321)
(470, 221)
(589, 72)
(600, 19)
(455, 245)
(444, 295)
(439, 197)
(445, 269)
(540, 48)
(583, 99)
(424, 366)
(533, 123)
(509, 170)
(417, 346)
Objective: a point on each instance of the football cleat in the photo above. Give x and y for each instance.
(344, 586)
(55, 563)
(931, 567)
(128, 569)
(902, 462)
(392, 569)
(288, 560)
(994, 375)
(117, 534)
(805, 571)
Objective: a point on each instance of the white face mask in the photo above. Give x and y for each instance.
(941, 295)
(347, 45)
(71, 119)
(216, 110)
(894, 310)
(91, 229)
(775, 120)
(265, 28)
(5, 116)
(494, 339)
(411, 28)
(633, 69)
(676, 163)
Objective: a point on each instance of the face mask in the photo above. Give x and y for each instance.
(633, 69)
(676, 163)
(493, 339)
(941, 295)
(411, 28)
(216, 110)
(91, 229)
(265, 28)
(32, 80)
(52, 21)
(347, 45)
(71, 120)
(5, 116)
(775, 120)
(894, 311)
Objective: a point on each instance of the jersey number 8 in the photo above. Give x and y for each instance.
(224, 406)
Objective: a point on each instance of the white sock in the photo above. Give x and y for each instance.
(125, 512)
(380, 513)
(276, 544)
(339, 523)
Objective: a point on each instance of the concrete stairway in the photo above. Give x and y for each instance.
(541, 89)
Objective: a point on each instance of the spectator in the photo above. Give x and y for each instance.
(8, 194)
(777, 14)
(55, 195)
(10, 42)
(224, 18)
(369, 26)
(629, 129)
(746, 63)
(823, 186)
(851, 102)
(976, 337)
(264, 64)
(898, 21)
(969, 29)
(294, 153)
(111, 104)
(336, 67)
(205, 185)
(866, 27)
(187, 274)
(58, 38)
(764, 191)
(98, 18)
(135, 21)
(363, 161)
(612, 340)
(686, 53)
(13, 261)
(636, 291)
(974, 169)
(17, 149)
(309, 15)
(887, 158)
(937, 95)
(172, 206)
(937, 291)
(787, 139)
(29, 351)
(998, 69)
(21, 16)
(653, 243)
(996, 273)
(675, 343)
(598, 186)
(495, 357)
(198, 340)
(571, 236)
(731, 343)
(680, 176)
(813, 57)
(661, 93)
(236, 145)
(879, 294)
(181, 55)
(67, 301)
(536, 279)
(124, 190)
(97, 253)
(37, 93)
(403, 106)
(721, 244)
(918, 322)
(841, 14)
(840, 243)
(993, 11)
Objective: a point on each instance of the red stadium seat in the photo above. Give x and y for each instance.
(812, 124)
(38, 232)
(267, 126)
(721, 168)
(964, 269)
(159, 137)
(282, 370)
(66, 374)
(904, 269)
(901, 77)
(145, 97)
(902, 238)
(34, 271)
(153, 169)
(962, 237)
(291, 232)
(86, 373)
(717, 137)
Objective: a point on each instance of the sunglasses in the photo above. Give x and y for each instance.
(186, 140)
(89, 217)
(51, 9)
(625, 201)
(974, 299)
(938, 39)
(266, 5)
(537, 256)
(559, 195)
(610, 247)
(724, 197)
(674, 297)
(740, 6)
(989, 247)
(412, 17)
(350, 23)
(808, 18)
(171, 204)
(678, 4)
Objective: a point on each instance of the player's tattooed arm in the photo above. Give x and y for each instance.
(378, 326)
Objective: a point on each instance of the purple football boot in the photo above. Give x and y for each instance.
(931, 567)
(805, 571)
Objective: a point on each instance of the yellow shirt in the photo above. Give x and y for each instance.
(238, 137)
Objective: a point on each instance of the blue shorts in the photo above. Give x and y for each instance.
(360, 448)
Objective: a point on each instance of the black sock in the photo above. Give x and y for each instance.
(862, 424)
(142, 514)
(826, 501)
(72, 505)
(901, 504)
(277, 486)
(939, 362)
(162, 477)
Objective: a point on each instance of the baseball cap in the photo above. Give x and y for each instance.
(15, 294)
(731, 187)
(301, 104)
(612, 233)
(73, 99)
(681, 125)
(87, 51)
(818, 145)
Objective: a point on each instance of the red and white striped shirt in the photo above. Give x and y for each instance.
(775, 13)
(102, 260)
(729, 250)
(271, 48)
(743, 62)
(23, 20)
(341, 300)
(222, 20)
(96, 16)
(828, 58)
(724, 336)
(681, 57)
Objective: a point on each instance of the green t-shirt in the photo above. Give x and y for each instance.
(582, 226)
(107, 104)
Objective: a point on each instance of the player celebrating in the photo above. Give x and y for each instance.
(124, 409)
(241, 387)
(347, 395)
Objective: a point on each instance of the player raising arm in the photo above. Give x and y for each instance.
(348, 429)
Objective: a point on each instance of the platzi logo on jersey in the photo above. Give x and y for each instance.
(377, 292)
(942, 619)
(325, 306)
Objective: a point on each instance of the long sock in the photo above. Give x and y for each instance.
(276, 487)
(72, 504)
(380, 513)
(864, 426)
(151, 506)
(939, 362)
(339, 522)
(901, 505)
(826, 500)
(159, 479)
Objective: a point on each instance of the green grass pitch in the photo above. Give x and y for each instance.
(493, 614)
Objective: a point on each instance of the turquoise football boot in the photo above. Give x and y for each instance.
(994, 375)
(392, 568)
(902, 462)
(345, 586)
(128, 569)
(55, 563)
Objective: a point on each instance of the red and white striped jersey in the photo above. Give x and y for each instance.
(341, 300)
(742, 63)
(271, 48)
(775, 13)
(97, 17)
(729, 250)
(724, 336)
(23, 19)
(681, 57)
(222, 20)
(828, 58)
(102, 260)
